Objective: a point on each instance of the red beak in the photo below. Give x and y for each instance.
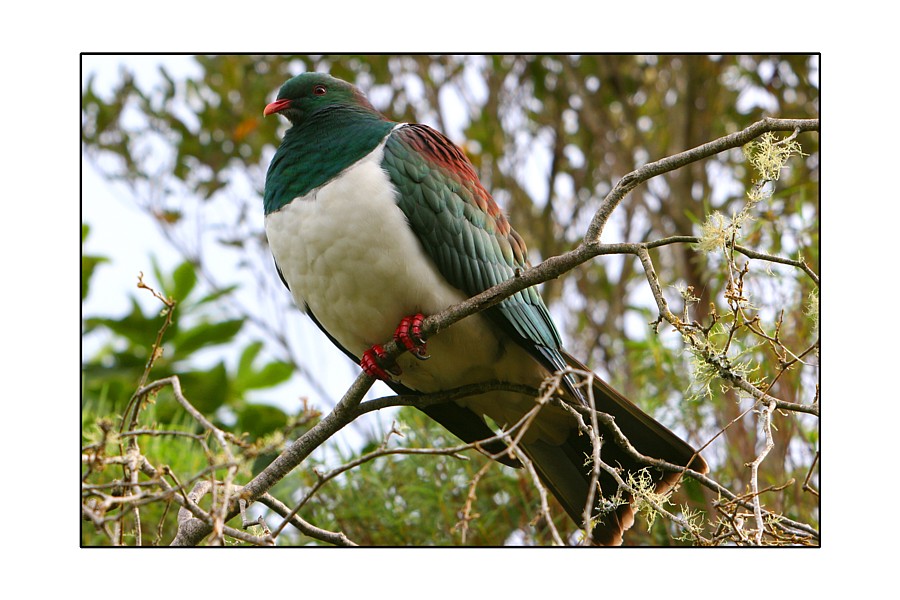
(277, 106)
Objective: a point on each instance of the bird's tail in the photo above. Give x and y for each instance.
(566, 468)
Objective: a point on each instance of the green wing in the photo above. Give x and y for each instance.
(464, 232)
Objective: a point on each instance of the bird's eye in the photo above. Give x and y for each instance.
(319, 90)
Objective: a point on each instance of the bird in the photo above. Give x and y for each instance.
(375, 224)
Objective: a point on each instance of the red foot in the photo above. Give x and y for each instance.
(375, 364)
(374, 361)
(409, 334)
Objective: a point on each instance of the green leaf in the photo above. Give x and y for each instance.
(215, 295)
(270, 375)
(183, 279)
(137, 328)
(205, 335)
(249, 354)
(260, 419)
(206, 390)
(88, 263)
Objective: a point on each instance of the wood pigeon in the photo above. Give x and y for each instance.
(374, 224)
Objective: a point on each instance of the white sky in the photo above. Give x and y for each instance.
(108, 208)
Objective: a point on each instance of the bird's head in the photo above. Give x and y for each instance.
(307, 94)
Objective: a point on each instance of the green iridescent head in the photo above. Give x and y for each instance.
(310, 93)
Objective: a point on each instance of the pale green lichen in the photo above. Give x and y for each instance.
(812, 308)
(694, 521)
(645, 497)
(768, 155)
(714, 232)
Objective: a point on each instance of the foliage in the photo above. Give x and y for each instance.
(550, 136)
(397, 500)
(112, 371)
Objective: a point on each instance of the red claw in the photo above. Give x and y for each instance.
(409, 334)
(374, 364)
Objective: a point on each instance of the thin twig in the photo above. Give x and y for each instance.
(766, 421)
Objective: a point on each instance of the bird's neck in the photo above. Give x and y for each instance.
(317, 150)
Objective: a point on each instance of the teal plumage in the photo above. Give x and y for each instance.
(463, 230)
(325, 139)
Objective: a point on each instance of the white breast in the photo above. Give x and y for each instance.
(349, 256)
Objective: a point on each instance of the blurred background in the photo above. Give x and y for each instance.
(174, 155)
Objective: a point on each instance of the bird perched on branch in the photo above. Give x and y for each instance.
(374, 224)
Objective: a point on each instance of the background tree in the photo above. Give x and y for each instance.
(551, 136)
